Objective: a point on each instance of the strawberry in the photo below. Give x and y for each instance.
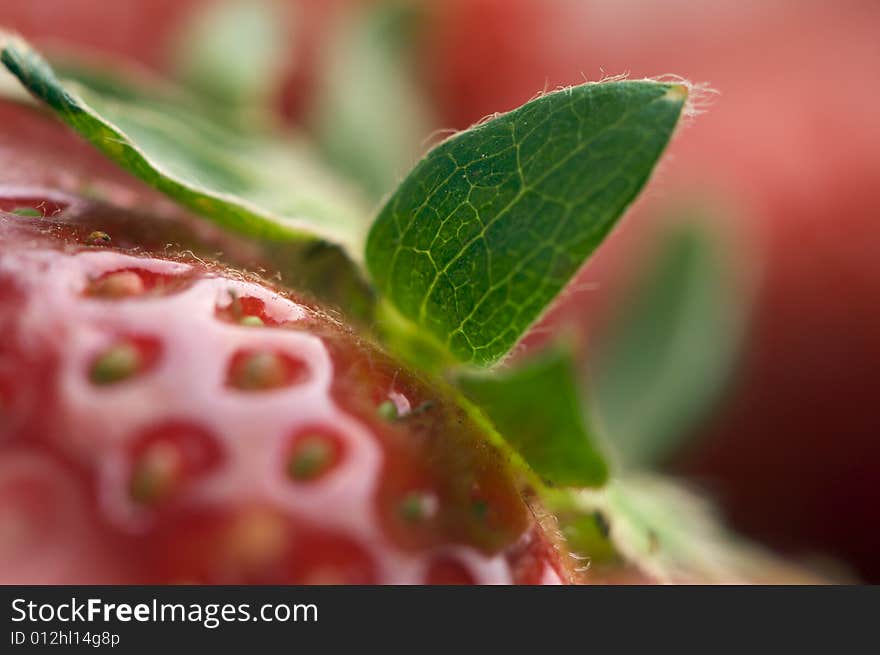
(165, 419)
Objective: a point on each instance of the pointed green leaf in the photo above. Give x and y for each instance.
(671, 349)
(260, 187)
(666, 531)
(10, 87)
(369, 115)
(537, 408)
(491, 225)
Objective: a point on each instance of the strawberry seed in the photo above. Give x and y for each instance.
(263, 370)
(98, 238)
(387, 411)
(117, 363)
(120, 284)
(155, 474)
(312, 456)
(417, 506)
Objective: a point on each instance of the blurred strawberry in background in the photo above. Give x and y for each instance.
(790, 153)
(785, 159)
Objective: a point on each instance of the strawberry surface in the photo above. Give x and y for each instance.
(168, 419)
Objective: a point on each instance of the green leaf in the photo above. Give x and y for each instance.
(537, 408)
(491, 225)
(260, 187)
(671, 349)
(369, 115)
(666, 531)
(10, 87)
(234, 51)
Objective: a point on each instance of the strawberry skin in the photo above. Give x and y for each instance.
(168, 420)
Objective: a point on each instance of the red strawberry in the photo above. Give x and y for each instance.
(167, 420)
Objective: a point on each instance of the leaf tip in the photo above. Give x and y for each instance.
(7, 38)
(694, 97)
(12, 48)
(677, 93)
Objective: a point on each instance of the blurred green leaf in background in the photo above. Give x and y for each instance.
(370, 117)
(234, 52)
(670, 351)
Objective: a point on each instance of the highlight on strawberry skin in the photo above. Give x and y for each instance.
(185, 447)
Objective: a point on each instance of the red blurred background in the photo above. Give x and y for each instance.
(790, 149)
